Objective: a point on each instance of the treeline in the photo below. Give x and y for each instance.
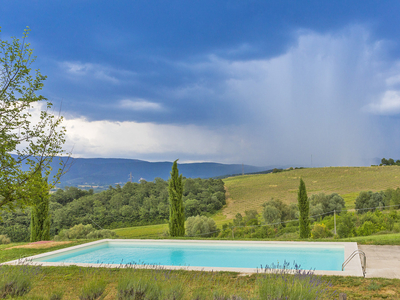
(389, 162)
(279, 220)
(133, 204)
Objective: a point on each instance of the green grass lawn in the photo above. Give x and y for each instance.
(251, 191)
(48, 280)
(71, 279)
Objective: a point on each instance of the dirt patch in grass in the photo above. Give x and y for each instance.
(229, 203)
(41, 245)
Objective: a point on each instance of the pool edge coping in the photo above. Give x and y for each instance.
(353, 268)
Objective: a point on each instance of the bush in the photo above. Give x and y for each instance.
(174, 292)
(201, 225)
(327, 204)
(58, 295)
(282, 282)
(93, 289)
(396, 228)
(346, 225)
(367, 228)
(369, 201)
(129, 289)
(4, 239)
(272, 215)
(84, 232)
(320, 231)
(15, 281)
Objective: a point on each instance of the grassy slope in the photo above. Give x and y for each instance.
(251, 191)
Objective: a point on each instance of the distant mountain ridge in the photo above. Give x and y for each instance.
(110, 171)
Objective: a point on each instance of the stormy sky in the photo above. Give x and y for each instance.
(254, 82)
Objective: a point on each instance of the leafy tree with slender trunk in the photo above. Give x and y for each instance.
(28, 143)
(304, 208)
(40, 217)
(176, 209)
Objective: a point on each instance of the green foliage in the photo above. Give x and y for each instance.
(327, 203)
(292, 285)
(346, 227)
(4, 239)
(304, 207)
(15, 281)
(101, 234)
(369, 201)
(40, 218)
(81, 231)
(34, 143)
(133, 204)
(272, 215)
(57, 295)
(320, 231)
(176, 209)
(201, 226)
(276, 211)
(143, 288)
(389, 162)
(93, 289)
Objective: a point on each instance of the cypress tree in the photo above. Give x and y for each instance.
(176, 209)
(40, 218)
(304, 208)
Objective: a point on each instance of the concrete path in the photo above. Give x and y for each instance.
(382, 261)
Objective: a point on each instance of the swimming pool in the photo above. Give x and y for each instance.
(207, 255)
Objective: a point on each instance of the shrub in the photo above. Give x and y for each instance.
(320, 231)
(272, 215)
(367, 228)
(130, 289)
(4, 239)
(282, 282)
(93, 289)
(369, 201)
(14, 281)
(346, 225)
(396, 228)
(58, 295)
(201, 225)
(286, 213)
(328, 203)
(174, 292)
(84, 232)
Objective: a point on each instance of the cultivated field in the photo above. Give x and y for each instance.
(251, 191)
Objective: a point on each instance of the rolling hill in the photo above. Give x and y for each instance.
(87, 172)
(251, 191)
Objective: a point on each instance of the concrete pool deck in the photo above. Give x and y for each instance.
(353, 268)
(382, 261)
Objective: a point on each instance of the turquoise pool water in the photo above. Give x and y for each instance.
(205, 254)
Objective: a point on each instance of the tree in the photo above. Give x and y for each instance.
(40, 217)
(304, 207)
(201, 226)
(176, 209)
(24, 143)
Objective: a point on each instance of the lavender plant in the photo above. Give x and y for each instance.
(16, 280)
(283, 282)
(93, 289)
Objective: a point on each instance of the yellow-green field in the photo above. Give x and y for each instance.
(251, 191)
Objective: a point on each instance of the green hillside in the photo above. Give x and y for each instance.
(251, 191)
